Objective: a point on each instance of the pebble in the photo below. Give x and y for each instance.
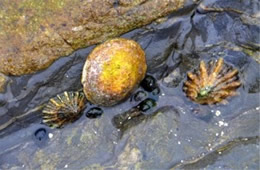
(50, 135)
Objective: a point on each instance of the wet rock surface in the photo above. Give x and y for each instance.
(36, 33)
(176, 133)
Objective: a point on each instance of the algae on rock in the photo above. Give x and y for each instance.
(34, 33)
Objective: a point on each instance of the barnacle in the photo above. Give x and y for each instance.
(212, 83)
(63, 109)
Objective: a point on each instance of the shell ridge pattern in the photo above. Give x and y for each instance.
(213, 83)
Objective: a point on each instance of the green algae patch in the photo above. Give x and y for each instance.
(34, 34)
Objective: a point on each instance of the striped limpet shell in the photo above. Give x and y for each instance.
(63, 109)
(212, 83)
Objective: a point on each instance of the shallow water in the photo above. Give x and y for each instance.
(177, 133)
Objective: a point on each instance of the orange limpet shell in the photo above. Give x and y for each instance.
(213, 83)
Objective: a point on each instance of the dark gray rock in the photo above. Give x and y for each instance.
(178, 133)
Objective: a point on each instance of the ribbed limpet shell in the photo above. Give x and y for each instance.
(212, 83)
(64, 108)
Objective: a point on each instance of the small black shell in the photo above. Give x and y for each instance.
(149, 83)
(63, 109)
(94, 112)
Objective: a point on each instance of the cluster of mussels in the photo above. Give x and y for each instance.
(113, 70)
(147, 100)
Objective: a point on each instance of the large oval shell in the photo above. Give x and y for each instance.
(63, 109)
(212, 83)
(112, 71)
